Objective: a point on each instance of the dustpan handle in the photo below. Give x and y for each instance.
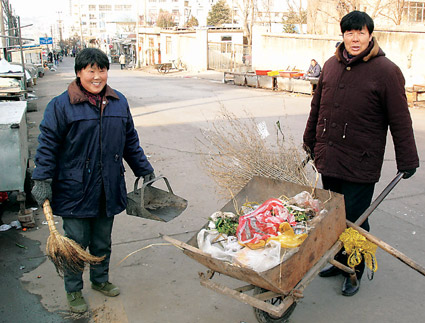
(136, 183)
(142, 190)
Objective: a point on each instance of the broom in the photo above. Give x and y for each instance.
(65, 253)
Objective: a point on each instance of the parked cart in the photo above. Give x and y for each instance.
(277, 290)
(14, 176)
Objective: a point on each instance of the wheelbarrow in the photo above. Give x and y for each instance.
(277, 290)
(153, 203)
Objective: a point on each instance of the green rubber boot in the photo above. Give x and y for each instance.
(106, 288)
(76, 302)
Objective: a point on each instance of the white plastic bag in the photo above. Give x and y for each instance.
(260, 259)
(218, 245)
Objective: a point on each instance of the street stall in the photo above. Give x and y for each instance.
(14, 154)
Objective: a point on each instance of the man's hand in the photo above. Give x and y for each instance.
(148, 177)
(42, 191)
(408, 173)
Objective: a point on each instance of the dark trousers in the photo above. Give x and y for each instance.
(94, 233)
(357, 198)
(122, 66)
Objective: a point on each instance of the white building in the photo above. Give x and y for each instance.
(101, 20)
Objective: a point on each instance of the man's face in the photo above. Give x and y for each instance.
(356, 41)
(93, 78)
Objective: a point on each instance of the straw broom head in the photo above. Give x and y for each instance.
(66, 254)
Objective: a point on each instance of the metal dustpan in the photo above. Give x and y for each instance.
(153, 203)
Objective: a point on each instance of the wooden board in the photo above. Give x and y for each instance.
(284, 277)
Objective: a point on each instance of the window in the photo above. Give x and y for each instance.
(122, 7)
(92, 7)
(226, 47)
(93, 25)
(91, 16)
(105, 7)
(414, 12)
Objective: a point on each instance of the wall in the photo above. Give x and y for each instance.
(278, 51)
(406, 50)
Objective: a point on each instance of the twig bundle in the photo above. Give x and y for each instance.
(66, 254)
(237, 152)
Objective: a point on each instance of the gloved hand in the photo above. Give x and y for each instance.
(408, 173)
(309, 151)
(148, 177)
(42, 191)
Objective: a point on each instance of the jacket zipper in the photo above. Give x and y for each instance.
(324, 127)
(99, 105)
(345, 130)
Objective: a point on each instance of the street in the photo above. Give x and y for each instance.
(159, 283)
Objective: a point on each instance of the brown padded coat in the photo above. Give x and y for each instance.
(354, 104)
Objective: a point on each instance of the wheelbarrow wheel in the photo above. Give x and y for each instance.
(264, 317)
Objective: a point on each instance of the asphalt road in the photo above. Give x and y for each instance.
(158, 282)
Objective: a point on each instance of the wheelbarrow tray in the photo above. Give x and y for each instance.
(284, 277)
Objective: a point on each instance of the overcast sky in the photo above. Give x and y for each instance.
(36, 9)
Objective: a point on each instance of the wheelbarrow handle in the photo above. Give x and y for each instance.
(379, 199)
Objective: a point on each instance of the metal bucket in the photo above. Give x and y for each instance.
(153, 203)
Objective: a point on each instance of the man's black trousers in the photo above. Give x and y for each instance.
(357, 198)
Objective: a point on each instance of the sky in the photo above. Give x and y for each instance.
(40, 13)
(36, 9)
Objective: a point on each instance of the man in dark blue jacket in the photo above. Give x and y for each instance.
(86, 133)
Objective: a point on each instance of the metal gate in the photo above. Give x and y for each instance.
(225, 56)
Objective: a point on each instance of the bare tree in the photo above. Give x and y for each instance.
(247, 9)
(393, 10)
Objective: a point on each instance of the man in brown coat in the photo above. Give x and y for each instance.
(359, 96)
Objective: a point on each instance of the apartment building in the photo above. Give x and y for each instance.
(101, 20)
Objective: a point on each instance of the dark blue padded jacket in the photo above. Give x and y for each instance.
(82, 148)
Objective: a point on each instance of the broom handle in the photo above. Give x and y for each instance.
(48, 213)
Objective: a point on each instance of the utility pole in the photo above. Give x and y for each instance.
(22, 54)
(3, 39)
(137, 34)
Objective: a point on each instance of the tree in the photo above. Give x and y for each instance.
(393, 10)
(192, 22)
(296, 16)
(165, 19)
(247, 12)
(219, 14)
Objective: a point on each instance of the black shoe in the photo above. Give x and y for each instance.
(348, 289)
(330, 271)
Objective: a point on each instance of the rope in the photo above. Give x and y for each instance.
(357, 246)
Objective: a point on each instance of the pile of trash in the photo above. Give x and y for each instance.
(260, 236)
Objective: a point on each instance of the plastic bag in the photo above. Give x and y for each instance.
(218, 245)
(256, 227)
(261, 259)
(287, 237)
(305, 200)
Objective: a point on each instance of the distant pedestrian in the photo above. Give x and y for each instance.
(122, 61)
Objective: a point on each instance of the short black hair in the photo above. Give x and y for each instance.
(356, 20)
(91, 56)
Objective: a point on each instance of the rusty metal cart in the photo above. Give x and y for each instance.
(277, 290)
